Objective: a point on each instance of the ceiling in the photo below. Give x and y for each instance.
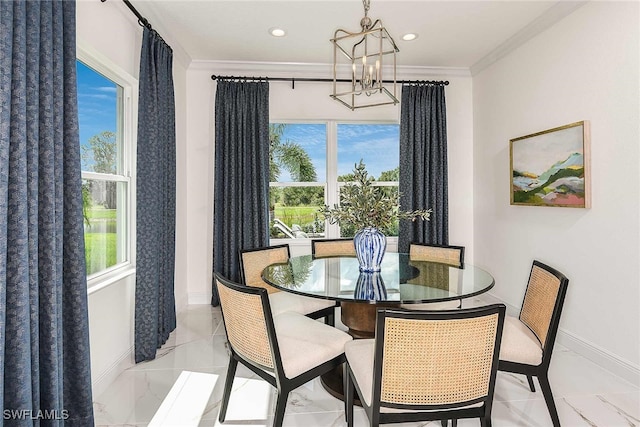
(451, 33)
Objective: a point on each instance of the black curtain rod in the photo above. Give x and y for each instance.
(141, 19)
(293, 80)
(144, 22)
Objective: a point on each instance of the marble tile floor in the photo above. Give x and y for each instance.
(586, 394)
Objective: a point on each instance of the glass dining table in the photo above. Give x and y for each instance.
(400, 281)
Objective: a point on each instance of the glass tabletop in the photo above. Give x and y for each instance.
(401, 280)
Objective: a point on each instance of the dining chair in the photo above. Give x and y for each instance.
(426, 366)
(286, 350)
(443, 255)
(253, 261)
(322, 248)
(529, 339)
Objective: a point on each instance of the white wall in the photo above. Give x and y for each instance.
(111, 31)
(308, 101)
(586, 67)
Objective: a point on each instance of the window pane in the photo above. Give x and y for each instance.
(104, 225)
(298, 152)
(294, 212)
(376, 144)
(98, 113)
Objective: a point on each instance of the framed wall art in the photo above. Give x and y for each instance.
(551, 168)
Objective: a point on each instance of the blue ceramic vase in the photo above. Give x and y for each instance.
(370, 245)
(370, 286)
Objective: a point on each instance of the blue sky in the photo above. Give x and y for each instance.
(97, 97)
(376, 144)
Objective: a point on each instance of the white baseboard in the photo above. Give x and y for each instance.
(100, 384)
(196, 298)
(620, 367)
(603, 358)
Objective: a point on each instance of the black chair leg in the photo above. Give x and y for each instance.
(531, 386)
(548, 397)
(228, 383)
(485, 422)
(281, 404)
(330, 319)
(444, 423)
(454, 423)
(348, 397)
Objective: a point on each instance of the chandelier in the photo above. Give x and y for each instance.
(361, 61)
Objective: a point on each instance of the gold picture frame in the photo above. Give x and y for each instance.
(552, 167)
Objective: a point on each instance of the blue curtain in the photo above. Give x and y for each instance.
(423, 164)
(241, 186)
(44, 331)
(155, 316)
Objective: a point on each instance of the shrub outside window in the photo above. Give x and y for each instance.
(311, 161)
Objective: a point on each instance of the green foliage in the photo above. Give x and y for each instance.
(364, 205)
(87, 201)
(101, 153)
(392, 175)
(349, 177)
(303, 196)
(288, 155)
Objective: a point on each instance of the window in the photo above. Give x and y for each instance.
(105, 148)
(311, 161)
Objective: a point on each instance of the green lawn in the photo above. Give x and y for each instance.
(100, 251)
(296, 214)
(100, 243)
(99, 212)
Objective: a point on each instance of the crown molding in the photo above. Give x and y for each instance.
(315, 70)
(554, 14)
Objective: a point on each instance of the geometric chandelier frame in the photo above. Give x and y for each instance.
(361, 61)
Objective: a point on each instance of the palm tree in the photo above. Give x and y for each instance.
(288, 155)
(292, 157)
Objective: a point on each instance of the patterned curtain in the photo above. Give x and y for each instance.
(156, 199)
(423, 164)
(44, 331)
(241, 186)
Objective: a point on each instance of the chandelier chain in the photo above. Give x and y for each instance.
(366, 4)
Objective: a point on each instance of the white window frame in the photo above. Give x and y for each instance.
(126, 130)
(331, 186)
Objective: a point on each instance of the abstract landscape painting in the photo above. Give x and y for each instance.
(551, 168)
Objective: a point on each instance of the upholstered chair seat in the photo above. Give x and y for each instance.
(282, 302)
(306, 343)
(519, 344)
(286, 350)
(527, 343)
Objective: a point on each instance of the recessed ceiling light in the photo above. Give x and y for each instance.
(277, 32)
(409, 36)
